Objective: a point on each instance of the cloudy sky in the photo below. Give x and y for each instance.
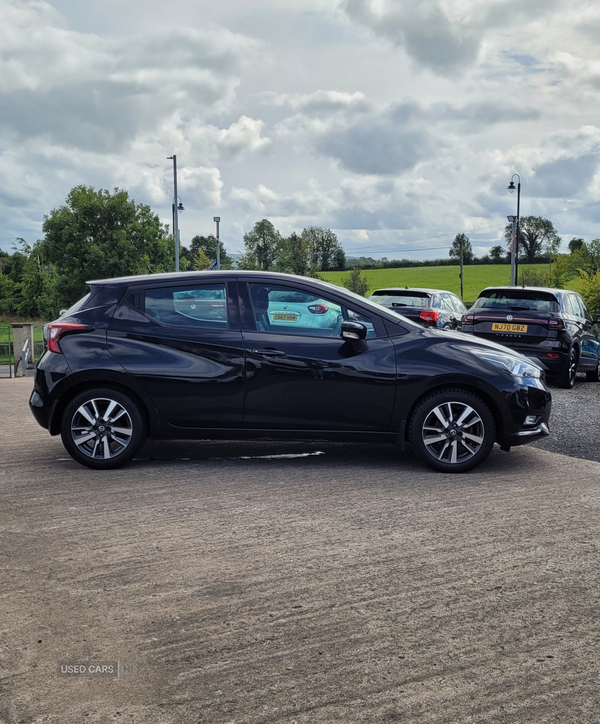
(397, 123)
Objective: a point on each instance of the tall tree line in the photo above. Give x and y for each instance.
(100, 234)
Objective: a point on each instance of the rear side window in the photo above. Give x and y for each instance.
(76, 307)
(577, 306)
(199, 306)
(517, 300)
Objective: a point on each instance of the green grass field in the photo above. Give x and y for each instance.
(476, 277)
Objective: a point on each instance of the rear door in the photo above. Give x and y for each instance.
(183, 345)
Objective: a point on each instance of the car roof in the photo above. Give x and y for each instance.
(273, 277)
(412, 289)
(547, 290)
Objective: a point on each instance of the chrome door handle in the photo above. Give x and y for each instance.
(269, 352)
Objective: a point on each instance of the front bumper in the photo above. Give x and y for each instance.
(530, 408)
(527, 435)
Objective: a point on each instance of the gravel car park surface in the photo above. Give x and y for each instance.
(575, 421)
(345, 584)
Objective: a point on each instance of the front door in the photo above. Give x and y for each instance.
(301, 375)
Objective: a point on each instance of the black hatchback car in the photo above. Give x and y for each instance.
(552, 326)
(429, 307)
(223, 355)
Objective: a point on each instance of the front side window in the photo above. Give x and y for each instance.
(288, 310)
(204, 305)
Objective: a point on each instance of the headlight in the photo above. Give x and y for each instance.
(508, 363)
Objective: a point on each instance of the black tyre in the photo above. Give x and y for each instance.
(594, 376)
(566, 378)
(102, 428)
(452, 431)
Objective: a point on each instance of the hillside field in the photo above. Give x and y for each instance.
(476, 277)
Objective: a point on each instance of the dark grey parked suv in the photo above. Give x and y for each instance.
(552, 326)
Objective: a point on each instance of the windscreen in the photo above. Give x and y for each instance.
(402, 299)
(517, 300)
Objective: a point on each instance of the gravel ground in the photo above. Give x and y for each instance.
(245, 588)
(575, 421)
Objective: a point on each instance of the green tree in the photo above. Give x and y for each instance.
(467, 249)
(536, 236)
(326, 251)
(208, 245)
(99, 234)
(589, 287)
(295, 256)
(29, 288)
(498, 254)
(263, 245)
(584, 259)
(356, 282)
(201, 261)
(575, 243)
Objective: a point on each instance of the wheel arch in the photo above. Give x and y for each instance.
(463, 387)
(88, 384)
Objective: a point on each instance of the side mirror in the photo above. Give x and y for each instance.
(353, 330)
(597, 319)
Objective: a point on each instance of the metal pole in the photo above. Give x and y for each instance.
(175, 214)
(217, 219)
(513, 268)
(517, 235)
(461, 269)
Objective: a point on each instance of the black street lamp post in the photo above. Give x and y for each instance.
(176, 209)
(511, 188)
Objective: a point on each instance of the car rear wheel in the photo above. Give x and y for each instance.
(102, 428)
(566, 378)
(452, 431)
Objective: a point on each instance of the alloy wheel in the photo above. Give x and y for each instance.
(453, 432)
(101, 428)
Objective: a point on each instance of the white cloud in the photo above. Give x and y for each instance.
(444, 36)
(396, 122)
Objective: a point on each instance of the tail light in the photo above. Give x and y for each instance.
(469, 319)
(55, 331)
(553, 355)
(430, 316)
(556, 324)
(318, 308)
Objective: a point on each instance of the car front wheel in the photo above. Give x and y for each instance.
(102, 428)
(452, 431)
